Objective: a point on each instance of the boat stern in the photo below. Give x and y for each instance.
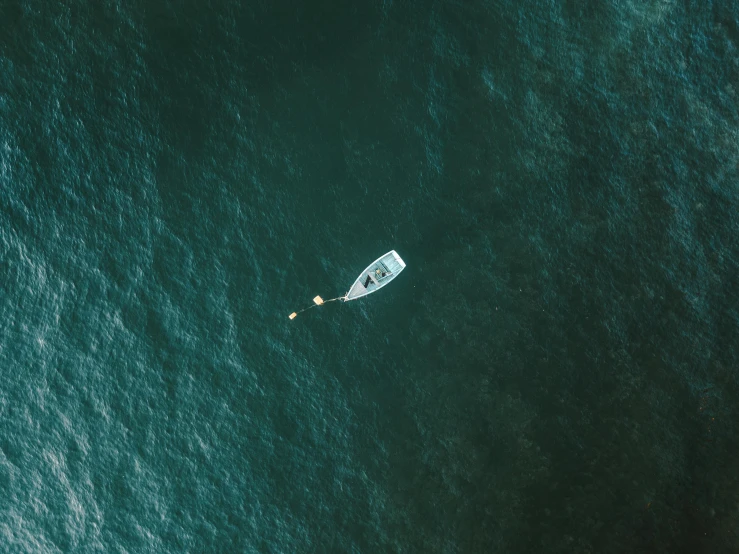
(398, 259)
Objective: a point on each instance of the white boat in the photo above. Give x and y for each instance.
(376, 275)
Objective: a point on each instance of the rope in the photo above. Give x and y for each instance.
(321, 304)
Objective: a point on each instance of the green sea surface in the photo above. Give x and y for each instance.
(555, 371)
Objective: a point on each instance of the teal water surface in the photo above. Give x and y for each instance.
(555, 370)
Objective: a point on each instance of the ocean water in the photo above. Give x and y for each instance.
(555, 371)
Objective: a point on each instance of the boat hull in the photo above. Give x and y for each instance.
(376, 275)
